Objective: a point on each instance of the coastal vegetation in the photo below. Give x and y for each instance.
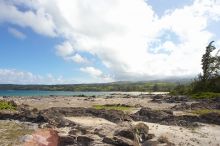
(207, 84)
(154, 86)
(5, 105)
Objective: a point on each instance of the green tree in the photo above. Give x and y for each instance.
(210, 64)
(208, 81)
(155, 88)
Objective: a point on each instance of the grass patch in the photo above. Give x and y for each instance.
(5, 105)
(205, 111)
(113, 107)
(205, 95)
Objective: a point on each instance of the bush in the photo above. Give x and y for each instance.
(205, 95)
(181, 90)
(211, 85)
(6, 105)
(113, 107)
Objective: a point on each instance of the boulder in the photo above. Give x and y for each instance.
(44, 137)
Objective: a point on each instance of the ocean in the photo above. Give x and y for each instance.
(59, 93)
(48, 93)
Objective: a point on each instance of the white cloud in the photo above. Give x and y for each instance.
(78, 59)
(121, 33)
(122, 40)
(40, 21)
(67, 52)
(92, 71)
(16, 33)
(65, 49)
(12, 76)
(97, 74)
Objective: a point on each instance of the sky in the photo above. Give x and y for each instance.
(97, 41)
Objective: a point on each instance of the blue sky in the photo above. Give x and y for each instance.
(44, 42)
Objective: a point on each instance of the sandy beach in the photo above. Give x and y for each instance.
(135, 100)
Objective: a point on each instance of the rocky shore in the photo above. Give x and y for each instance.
(140, 120)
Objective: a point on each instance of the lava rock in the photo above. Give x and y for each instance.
(67, 140)
(118, 141)
(127, 133)
(213, 118)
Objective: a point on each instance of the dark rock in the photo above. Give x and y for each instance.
(127, 133)
(118, 141)
(111, 115)
(217, 99)
(213, 118)
(146, 114)
(197, 106)
(157, 98)
(182, 106)
(23, 114)
(177, 99)
(33, 117)
(84, 140)
(205, 105)
(150, 143)
(165, 117)
(67, 140)
(77, 130)
(170, 99)
(186, 120)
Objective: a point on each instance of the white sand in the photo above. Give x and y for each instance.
(61, 101)
(207, 135)
(90, 121)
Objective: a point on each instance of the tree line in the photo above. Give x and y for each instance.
(209, 79)
(137, 86)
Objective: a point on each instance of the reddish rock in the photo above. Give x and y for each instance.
(43, 137)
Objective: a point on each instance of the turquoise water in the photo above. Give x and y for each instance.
(48, 93)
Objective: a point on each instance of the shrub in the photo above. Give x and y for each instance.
(6, 105)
